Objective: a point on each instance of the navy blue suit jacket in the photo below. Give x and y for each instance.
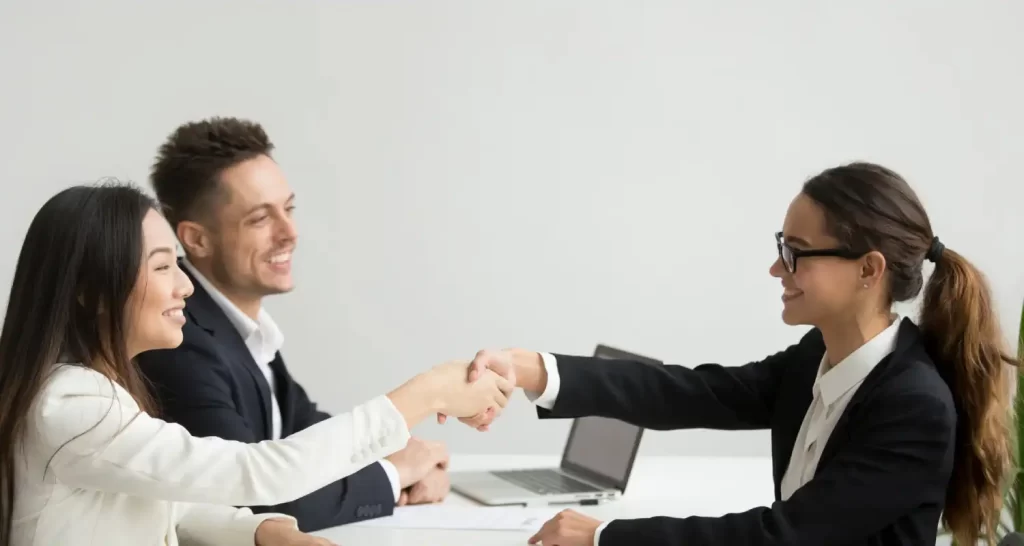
(211, 385)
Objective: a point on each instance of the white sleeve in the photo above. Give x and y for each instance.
(547, 398)
(392, 473)
(597, 534)
(220, 524)
(101, 441)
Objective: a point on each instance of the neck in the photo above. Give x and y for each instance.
(249, 305)
(842, 338)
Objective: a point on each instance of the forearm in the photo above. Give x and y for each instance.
(416, 399)
(219, 524)
(367, 494)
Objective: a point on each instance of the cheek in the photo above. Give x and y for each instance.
(824, 287)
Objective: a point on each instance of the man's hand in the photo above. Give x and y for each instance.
(499, 362)
(434, 487)
(416, 459)
(568, 528)
(277, 532)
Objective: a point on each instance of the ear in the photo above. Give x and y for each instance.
(194, 238)
(872, 268)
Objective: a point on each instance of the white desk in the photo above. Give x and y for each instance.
(668, 486)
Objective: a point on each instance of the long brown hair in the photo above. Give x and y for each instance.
(869, 206)
(76, 271)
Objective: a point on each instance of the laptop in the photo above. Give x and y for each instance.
(596, 463)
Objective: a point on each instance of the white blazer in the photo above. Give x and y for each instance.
(93, 469)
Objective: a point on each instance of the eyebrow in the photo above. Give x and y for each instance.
(161, 250)
(797, 240)
(268, 205)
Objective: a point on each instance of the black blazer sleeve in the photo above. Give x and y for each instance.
(194, 389)
(896, 445)
(670, 397)
(896, 450)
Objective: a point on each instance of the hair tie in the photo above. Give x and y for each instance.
(935, 251)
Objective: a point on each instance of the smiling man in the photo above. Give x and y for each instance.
(231, 208)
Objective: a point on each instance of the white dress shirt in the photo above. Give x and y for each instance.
(92, 469)
(264, 339)
(833, 390)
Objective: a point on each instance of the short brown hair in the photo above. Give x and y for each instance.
(186, 173)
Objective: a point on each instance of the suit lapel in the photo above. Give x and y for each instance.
(906, 338)
(797, 398)
(205, 313)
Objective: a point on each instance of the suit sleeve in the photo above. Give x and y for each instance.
(100, 440)
(666, 397)
(220, 525)
(900, 458)
(194, 389)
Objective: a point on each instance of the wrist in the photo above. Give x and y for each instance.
(529, 369)
(417, 398)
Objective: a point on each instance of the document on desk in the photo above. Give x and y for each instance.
(441, 516)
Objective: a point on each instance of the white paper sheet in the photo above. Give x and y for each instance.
(441, 516)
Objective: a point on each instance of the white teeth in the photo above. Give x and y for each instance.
(790, 293)
(280, 258)
(174, 313)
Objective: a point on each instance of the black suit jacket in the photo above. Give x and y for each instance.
(883, 473)
(211, 385)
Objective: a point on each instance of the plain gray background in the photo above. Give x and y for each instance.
(534, 173)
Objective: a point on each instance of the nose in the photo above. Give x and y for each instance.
(287, 230)
(183, 288)
(777, 269)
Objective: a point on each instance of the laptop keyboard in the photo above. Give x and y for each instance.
(544, 481)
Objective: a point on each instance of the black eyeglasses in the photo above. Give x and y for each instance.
(789, 254)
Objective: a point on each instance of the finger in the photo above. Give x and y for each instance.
(478, 365)
(441, 418)
(500, 400)
(504, 385)
(541, 534)
(403, 499)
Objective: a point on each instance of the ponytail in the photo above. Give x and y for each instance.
(962, 335)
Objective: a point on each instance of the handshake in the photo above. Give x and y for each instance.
(473, 391)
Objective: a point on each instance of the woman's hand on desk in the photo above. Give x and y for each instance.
(568, 528)
(277, 532)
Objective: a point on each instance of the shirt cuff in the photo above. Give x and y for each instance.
(392, 472)
(547, 398)
(597, 534)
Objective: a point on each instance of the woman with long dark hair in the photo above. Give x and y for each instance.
(83, 459)
(880, 425)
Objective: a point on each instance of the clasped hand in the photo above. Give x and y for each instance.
(483, 364)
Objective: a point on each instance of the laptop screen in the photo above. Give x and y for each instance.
(600, 448)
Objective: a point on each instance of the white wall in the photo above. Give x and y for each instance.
(533, 173)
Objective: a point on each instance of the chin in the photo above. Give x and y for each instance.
(279, 288)
(792, 317)
(171, 341)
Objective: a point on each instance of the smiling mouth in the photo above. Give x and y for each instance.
(280, 257)
(788, 294)
(174, 313)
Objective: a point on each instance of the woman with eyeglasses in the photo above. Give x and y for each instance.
(83, 458)
(880, 425)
